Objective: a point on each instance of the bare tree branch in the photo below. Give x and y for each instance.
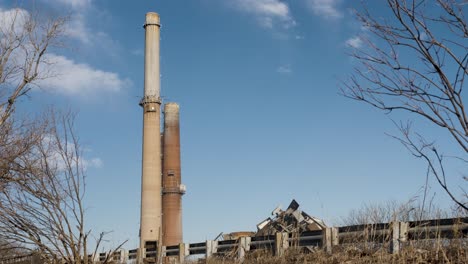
(416, 61)
(42, 175)
(24, 42)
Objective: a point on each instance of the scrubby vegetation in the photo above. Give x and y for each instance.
(369, 247)
(438, 252)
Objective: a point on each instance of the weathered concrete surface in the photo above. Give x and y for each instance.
(172, 186)
(150, 219)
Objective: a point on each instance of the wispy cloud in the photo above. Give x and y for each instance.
(79, 79)
(354, 42)
(77, 29)
(284, 69)
(299, 37)
(63, 75)
(94, 162)
(325, 8)
(13, 19)
(56, 158)
(137, 52)
(267, 12)
(75, 4)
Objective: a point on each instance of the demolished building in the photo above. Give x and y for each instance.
(292, 220)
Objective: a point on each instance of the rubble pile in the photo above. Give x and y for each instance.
(292, 220)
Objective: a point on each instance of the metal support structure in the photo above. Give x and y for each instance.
(397, 232)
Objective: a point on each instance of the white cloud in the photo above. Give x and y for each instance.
(137, 52)
(284, 69)
(267, 12)
(325, 8)
(56, 158)
(355, 42)
(77, 29)
(15, 17)
(92, 163)
(76, 4)
(79, 79)
(60, 74)
(299, 37)
(77, 26)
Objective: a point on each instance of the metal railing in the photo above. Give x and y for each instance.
(396, 234)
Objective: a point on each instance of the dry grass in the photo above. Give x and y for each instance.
(353, 255)
(372, 246)
(369, 246)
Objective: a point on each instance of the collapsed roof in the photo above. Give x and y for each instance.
(291, 220)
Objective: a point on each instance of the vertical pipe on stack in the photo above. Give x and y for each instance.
(172, 187)
(150, 218)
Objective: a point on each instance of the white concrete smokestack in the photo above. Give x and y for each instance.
(150, 219)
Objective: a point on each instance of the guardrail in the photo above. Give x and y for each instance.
(397, 234)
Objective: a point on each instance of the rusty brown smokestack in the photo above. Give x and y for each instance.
(173, 189)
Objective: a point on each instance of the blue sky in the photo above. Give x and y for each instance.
(262, 121)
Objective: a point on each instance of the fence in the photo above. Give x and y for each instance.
(396, 233)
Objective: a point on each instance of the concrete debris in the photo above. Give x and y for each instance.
(292, 220)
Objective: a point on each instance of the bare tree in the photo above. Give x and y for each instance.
(415, 61)
(386, 212)
(24, 42)
(42, 171)
(41, 203)
(10, 251)
(41, 206)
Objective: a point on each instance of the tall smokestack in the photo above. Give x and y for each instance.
(150, 219)
(172, 187)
